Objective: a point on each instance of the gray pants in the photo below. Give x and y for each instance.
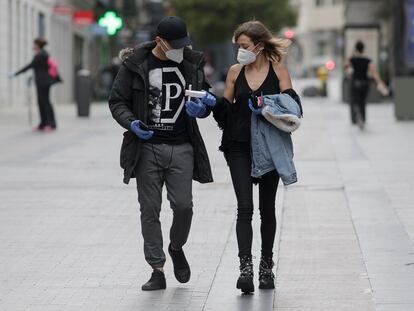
(172, 165)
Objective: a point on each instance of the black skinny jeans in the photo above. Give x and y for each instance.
(239, 161)
(47, 116)
(359, 93)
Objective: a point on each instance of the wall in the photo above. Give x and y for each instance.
(19, 26)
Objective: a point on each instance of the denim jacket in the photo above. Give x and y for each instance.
(272, 148)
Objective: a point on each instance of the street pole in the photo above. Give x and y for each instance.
(403, 26)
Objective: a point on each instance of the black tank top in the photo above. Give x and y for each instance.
(241, 113)
(360, 65)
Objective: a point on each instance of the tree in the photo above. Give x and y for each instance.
(213, 21)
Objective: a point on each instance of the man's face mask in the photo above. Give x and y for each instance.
(176, 55)
(246, 57)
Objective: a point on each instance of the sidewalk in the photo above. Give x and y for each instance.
(70, 235)
(348, 225)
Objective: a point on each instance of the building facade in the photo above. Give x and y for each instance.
(319, 33)
(21, 21)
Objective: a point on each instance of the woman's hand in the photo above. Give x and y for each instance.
(382, 88)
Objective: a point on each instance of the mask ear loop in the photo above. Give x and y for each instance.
(163, 43)
(259, 50)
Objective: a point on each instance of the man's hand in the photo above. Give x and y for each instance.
(195, 109)
(209, 100)
(143, 134)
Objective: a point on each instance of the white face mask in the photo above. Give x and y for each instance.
(176, 55)
(246, 57)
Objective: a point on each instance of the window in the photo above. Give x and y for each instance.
(321, 48)
(42, 25)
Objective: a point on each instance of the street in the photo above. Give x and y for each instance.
(70, 236)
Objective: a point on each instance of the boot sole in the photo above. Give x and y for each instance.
(266, 286)
(152, 289)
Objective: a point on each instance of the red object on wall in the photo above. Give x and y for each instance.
(83, 18)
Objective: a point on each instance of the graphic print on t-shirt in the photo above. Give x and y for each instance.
(166, 97)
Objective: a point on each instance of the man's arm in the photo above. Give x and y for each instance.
(205, 86)
(120, 100)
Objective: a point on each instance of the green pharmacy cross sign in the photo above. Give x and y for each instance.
(111, 22)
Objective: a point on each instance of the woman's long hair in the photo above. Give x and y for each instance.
(274, 48)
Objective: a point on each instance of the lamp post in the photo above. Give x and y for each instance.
(403, 58)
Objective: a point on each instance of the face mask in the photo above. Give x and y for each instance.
(246, 57)
(176, 55)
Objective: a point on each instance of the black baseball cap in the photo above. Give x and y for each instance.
(174, 30)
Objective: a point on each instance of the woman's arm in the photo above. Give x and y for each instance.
(285, 83)
(374, 73)
(35, 62)
(282, 73)
(221, 109)
(347, 64)
(381, 87)
(25, 68)
(230, 80)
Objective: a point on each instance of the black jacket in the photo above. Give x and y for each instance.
(40, 66)
(129, 101)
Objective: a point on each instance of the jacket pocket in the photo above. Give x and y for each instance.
(127, 149)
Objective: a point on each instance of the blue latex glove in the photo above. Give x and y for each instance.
(195, 109)
(143, 134)
(257, 111)
(10, 75)
(209, 100)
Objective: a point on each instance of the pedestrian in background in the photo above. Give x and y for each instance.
(362, 70)
(45, 70)
(162, 144)
(259, 72)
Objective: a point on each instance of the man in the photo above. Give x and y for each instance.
(162, 144)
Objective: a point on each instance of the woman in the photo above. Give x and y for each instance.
(362, 68)
(40, 64)
(259, 72)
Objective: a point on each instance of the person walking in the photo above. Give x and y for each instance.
(259, 72)
(362, 70)
(41, 64)
(162, 144)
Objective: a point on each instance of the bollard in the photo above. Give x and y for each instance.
(83, 92)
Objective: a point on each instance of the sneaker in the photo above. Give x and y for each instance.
(245, 280)
(38, 128)
(266, 276)
(181, 268)
(361, 124)
(48, 129)
(156, 282)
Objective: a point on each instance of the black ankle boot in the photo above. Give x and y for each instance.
(266, 276)
(245, 281)
(157, 281)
